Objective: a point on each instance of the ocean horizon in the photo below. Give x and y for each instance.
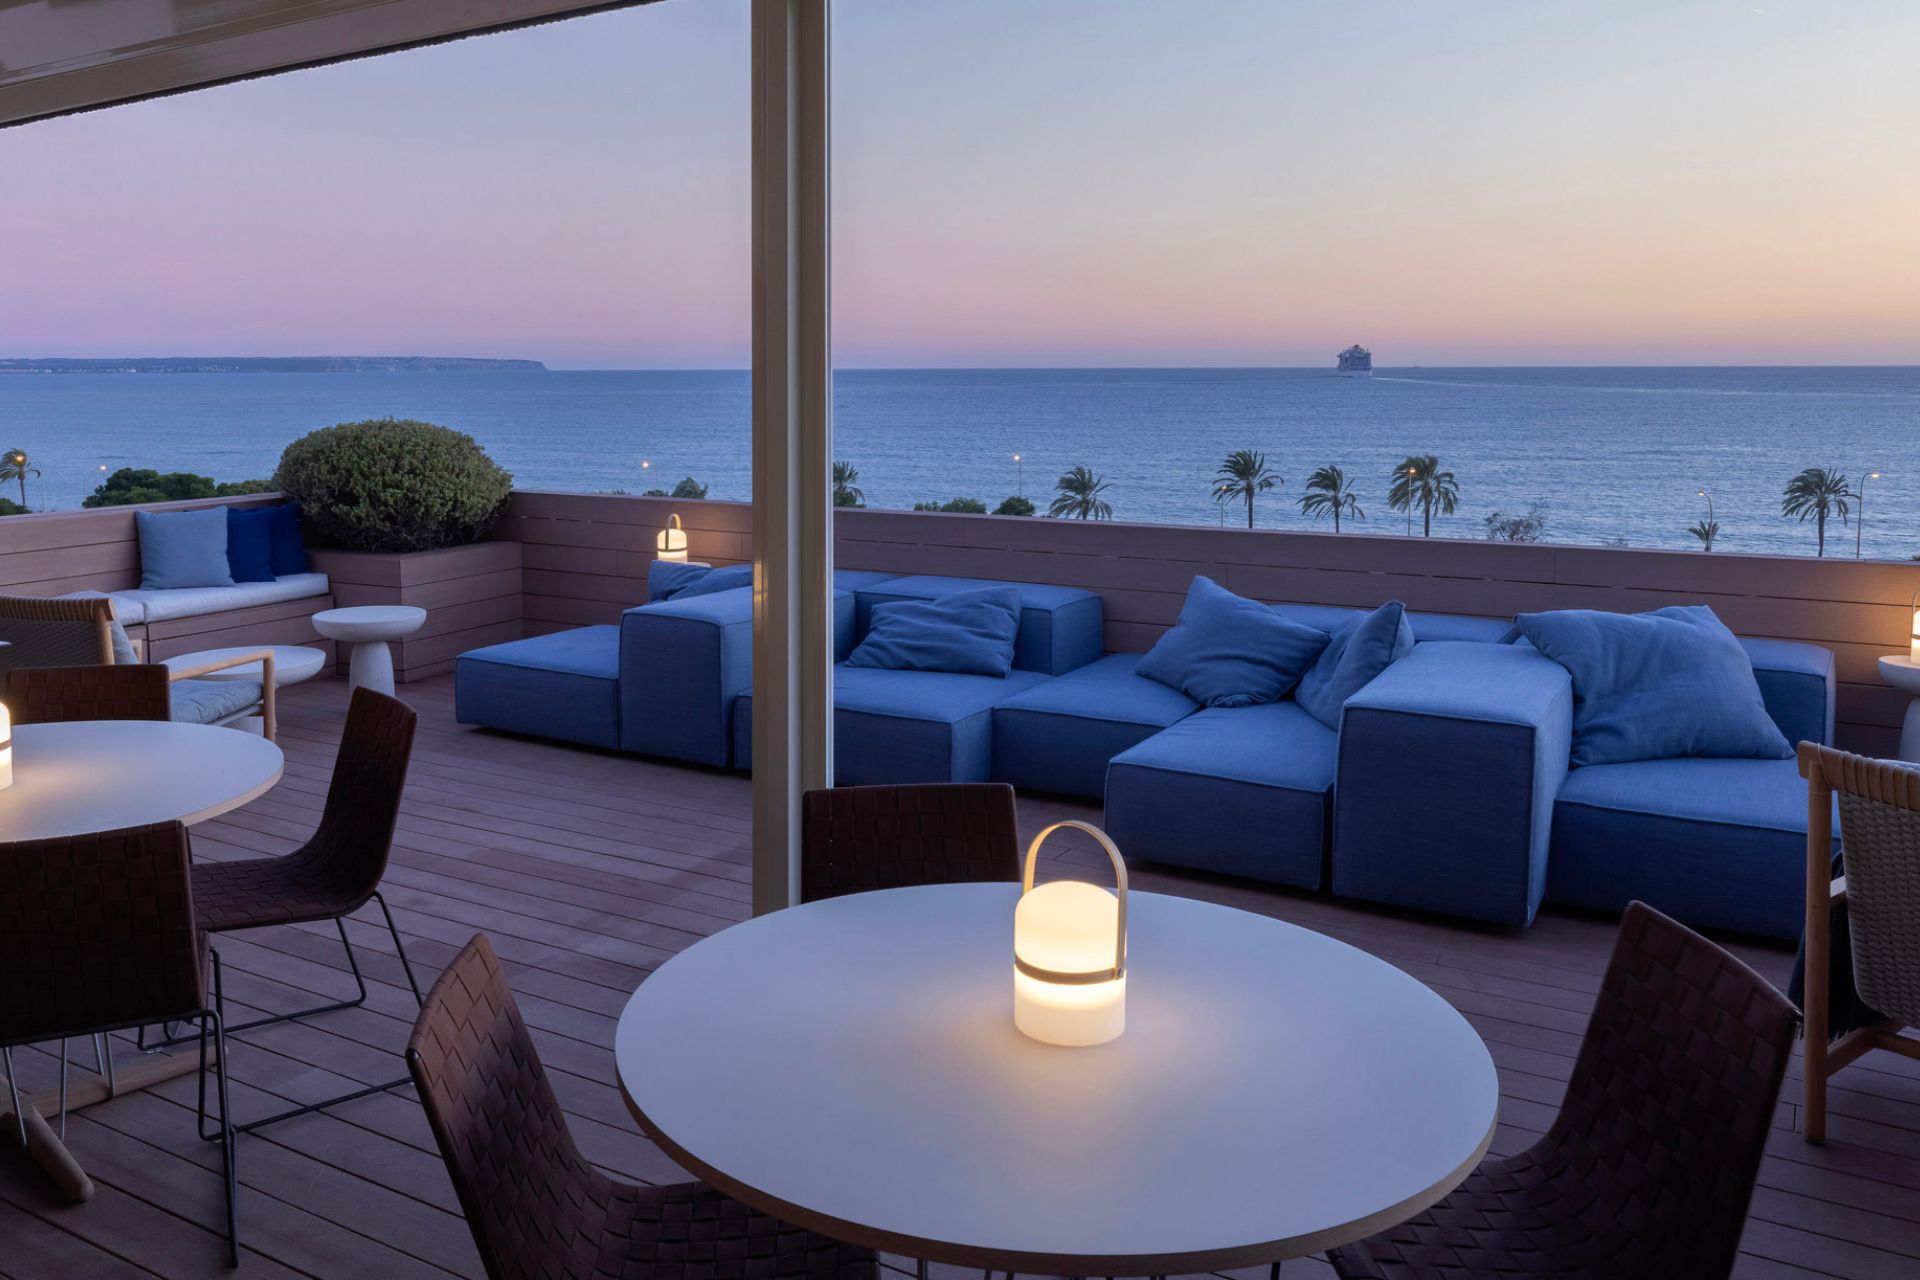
(1612, 453)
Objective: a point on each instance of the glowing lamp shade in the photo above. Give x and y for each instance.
(1070, 953)
(1913, 644)
(672, 541)
(6, 746)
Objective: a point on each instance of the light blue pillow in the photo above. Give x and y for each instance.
(1358, 652)
(1651, 686)
(1228, 651)
(970, 632)
(183, 548)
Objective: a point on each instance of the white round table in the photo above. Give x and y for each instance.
(292, 663)
(78, 776)
(852, 1066)
(1900, 671)
(368, 628)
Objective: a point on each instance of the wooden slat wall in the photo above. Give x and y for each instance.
(473, 596)
(62, 551)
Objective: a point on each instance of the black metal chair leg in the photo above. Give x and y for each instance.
(228, 1151)
(399, 949)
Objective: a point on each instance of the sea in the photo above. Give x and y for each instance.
(1611, 455)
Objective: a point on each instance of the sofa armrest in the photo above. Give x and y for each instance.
(1796, 682)
(1449, 764)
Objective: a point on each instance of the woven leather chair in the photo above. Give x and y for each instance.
(853, 839)
(1648, 1168)
(96, 935)
(37, 695)
(334, 873)
(1880, 842)
(536, 1208)
(45, 631)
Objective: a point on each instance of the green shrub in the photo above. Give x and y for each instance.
(1015, 506)
(962, 506)
(393, 485)
(129, 485)
(689, 488)
(8, 507)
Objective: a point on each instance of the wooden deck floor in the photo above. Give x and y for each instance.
(588, 870)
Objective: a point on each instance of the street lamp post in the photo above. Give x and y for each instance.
(1020, 476)
(1708, 540)
(1410, 474)
(1860, 526)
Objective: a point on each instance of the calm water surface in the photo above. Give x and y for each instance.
(1614, 453)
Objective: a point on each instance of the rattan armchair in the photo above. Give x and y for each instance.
(1648, 1168)
(537, 1209)
(854, 839)
(1879, 803)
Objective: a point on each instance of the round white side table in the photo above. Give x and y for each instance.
(292, 663)
(368, 628)
(1903, 673)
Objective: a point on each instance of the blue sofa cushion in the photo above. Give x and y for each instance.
(1061, 628)
(1717, 843)
(1059, 735)
(250, 543)
(968, 632)
(1359, 650)
(1228, 651)
(564, 686)
(664, 577)
(1797, 684)
(183, 549)
(289, 549)
(689, 581)
(1652, 686)
(1239, 790)
(1426, 626)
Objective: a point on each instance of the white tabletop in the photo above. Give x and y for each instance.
(78, 776)
(853, 1066)
(292, 663)
(364, 622)
(1900, 671)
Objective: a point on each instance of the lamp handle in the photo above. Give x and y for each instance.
(1119, 880)
(673, 521)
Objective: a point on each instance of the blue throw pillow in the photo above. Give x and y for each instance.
(664, 577)
(1358, 652)
(183, 548)
(712, 580)
(250, 543)
(1227, 651)
(970, 632)
(1651, 686)
(289, 549)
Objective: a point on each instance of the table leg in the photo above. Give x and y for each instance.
(44, 1145)
(371, 667)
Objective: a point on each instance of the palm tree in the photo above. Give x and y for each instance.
(1328, 493)
(1419, 482)
(1079, 496)
(1815, 494)
(1242, 475)
(846, 491)
(1706, 531)
(13, 466)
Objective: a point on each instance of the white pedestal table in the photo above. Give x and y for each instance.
(368, 628)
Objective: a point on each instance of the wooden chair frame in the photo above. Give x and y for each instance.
(269, 721)
(1887, 782)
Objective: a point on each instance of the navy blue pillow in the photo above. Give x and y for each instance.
(1358, 652)
(664, 577)
(1227, 651)
(1652, 686)
(250, 543)
(970, 632)
(712, 580)
(289, 549)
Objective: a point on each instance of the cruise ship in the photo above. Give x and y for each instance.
(1356, 362)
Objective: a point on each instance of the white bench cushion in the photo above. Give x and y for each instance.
(192, 602)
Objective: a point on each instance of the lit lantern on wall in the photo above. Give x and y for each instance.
(1913, 644)
(6, 746)
(1070, 953)
(673, 541)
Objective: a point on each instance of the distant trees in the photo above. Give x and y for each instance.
(1329, 494)
(130, 485)
(1015, 506)
(1078, 496)
(14, 466)
(1529, 526)
(1815, 494)
(1419, 482)
(959, 506)
(846, 486)
(688, 488)
(1706, 531)
(1241, 476)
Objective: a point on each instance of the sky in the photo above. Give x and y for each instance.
(1025, 183)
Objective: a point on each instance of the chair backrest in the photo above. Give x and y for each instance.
(535, 1206)
(97, 932)
(1671, 1101)
(43, 631)
(853, 839)
(36, 695)
(355, 836)
(1879, 803)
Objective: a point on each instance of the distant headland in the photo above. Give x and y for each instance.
(275, 364)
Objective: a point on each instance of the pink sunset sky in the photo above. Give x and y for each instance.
(1070, 182)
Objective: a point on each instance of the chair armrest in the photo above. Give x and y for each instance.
(269, 726)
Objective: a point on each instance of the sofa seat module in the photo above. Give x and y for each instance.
(564, 686)
(1245, 791)
(1060, 735)
(905, 726)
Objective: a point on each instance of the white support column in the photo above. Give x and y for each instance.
(792, 437)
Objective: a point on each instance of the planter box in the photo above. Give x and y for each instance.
(472, 596)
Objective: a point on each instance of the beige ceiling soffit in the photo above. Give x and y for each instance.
(61, 56)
